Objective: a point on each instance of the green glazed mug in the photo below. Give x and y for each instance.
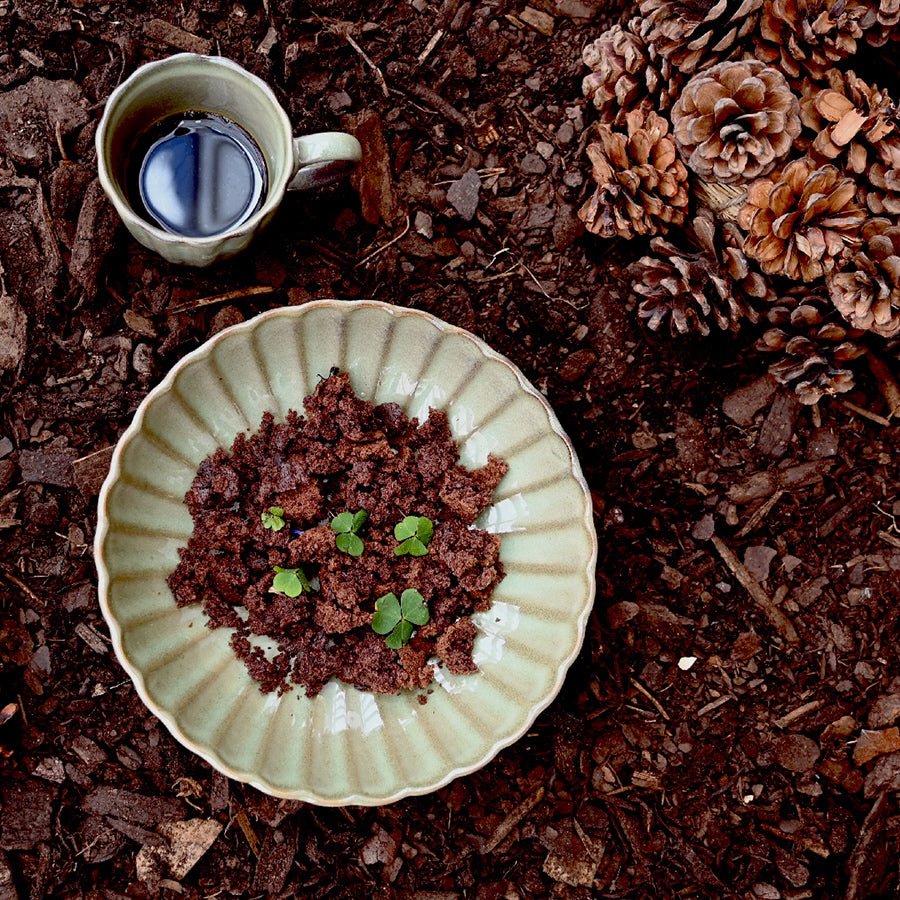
(188, 82)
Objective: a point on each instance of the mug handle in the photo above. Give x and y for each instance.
(323, 158)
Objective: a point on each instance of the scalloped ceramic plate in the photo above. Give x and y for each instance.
(345, 746)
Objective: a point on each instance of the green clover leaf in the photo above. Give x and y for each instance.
(346, 524)
(398, 618)
(387, 614)
(414, 533)
(413, 607)
(273, 518)
(290, 582)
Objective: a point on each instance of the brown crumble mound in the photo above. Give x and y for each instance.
(346, 454)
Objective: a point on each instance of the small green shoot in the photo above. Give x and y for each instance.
(273, 518)
(346, 524)
(414, 534)
(398, 618)
(290, 582)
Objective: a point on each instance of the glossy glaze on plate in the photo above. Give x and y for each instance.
(346, 746)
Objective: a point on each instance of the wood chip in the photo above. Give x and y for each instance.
(778, 428)
(173, 36)
(133, 807)
(91, 638)
(247, 828)
(513, 819)
(578, 871)
(539, 21)
(90, 471)
(870, 744)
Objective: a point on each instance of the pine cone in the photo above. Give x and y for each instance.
(848, 118)
(641, 182)
(627, 73)
(812, 345)
(867, 292)
(695, 34)
(693, 287)
(802, 221)
(735, 121)
(808, 36)
(881, 23)
(856, 125)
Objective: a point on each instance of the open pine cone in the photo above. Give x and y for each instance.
(808, 36)
(627, 73)
(696, 34)
(867, 292)
(641, 182)
(735, 121)
(692, 288)
(856, 125)
(886, 16)
(803, 221)
(812, 344)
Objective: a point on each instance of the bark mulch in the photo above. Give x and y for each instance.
(730, 727)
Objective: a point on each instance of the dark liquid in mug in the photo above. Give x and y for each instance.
(197, 174)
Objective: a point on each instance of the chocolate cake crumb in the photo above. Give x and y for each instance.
(344, 455)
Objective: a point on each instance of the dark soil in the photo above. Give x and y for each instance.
(345, 455)
(729, 729)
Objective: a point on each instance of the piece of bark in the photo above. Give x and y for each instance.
(13, 333)
(743, 404)
(26, 815)
(52, 467)
(778, 428)
(173, 36)
(873, 743)
(372, 178)
(94, 238)
(90, 471)
(110, 801)
(279, 847)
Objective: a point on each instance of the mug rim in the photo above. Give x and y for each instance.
(276, 189)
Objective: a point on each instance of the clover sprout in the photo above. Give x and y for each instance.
(398, 618)
(290, 582)
(273, 518)
(346, 524)
(414, 534)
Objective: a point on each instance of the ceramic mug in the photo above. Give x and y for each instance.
(187, 82)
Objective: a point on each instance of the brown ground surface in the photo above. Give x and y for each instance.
(768, 768)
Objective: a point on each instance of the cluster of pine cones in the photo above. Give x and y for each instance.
(739, 137)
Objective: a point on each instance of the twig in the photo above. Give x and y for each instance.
(889, 538)
(887, 384)
(713, 704)
(29, 593)
(650, 697)
(435, 38)
(782, 623)
(799, 713)
(536, 125)
(437, 102)
(379, 76)
(760, 514)
(222, 298)
(384, 247)
(513, 819)
(874, 417)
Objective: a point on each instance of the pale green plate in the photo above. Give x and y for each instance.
(345, 746)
